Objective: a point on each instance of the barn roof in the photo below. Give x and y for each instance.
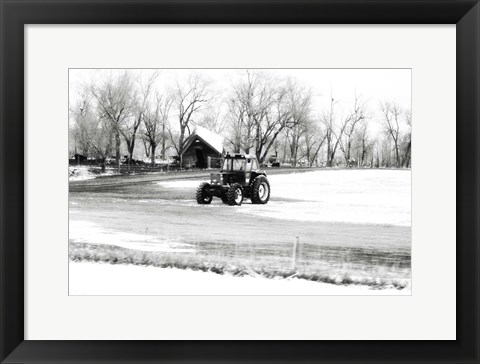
(214, 140)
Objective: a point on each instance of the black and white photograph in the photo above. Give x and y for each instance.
(240, 181)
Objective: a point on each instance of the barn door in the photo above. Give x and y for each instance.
(201, 162)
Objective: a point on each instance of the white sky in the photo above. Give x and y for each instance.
(373, 85)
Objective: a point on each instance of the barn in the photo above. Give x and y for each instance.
(202, 149)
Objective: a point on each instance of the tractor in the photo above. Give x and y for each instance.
(238, 178)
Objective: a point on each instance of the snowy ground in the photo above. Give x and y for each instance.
(83, 173)
(361, 196)
(107, 279)
(88, 232)
(349, 222)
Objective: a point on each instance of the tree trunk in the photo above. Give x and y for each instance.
(180, 145)
(154, 147)
(130, 151)
(408, 155)
(117, 149)
(349, 146)
(308, 155)
(147, 149)
(258, 153)
(285, 146)
(364, 152)
(259, 144)
(163, 141)
(397, 155)
(329, 147)
(103, 164)
(334, 150)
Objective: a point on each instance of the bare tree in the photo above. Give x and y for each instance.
(260, 109)
(365, 145)
(81, 115)
(328, 120)
(276, 120)
(246, 106)
(114, 100)
(358, 114)
(299, 100)
(213, 120)
(235, 125)
(406, 144)
(294, 135)
(94, 133)
(174, 137)
(188, 100)
(333, 132)
(391, 115)
(156, 123)
(165, 106)
(139, 104)
(102, 139)
(313, 142)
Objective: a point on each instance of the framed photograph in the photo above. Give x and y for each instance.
(246, 182)
(333, 144)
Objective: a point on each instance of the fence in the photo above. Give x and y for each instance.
(214, 162)
(127, 168)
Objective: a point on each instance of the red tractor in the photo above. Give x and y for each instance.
(239, 178)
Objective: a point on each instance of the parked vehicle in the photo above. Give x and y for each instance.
(238, 178)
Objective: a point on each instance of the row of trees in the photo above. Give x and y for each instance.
(119, 111)
(259, 114)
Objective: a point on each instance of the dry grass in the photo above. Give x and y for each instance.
(252, 261)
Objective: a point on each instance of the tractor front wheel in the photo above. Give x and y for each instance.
(203, 197)
(260, 190)
(235, 195)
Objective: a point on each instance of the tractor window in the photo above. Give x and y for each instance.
(227, 165)
(248, 166)
(254, 164)
(238, 165)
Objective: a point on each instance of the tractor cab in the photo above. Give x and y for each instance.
(239, 162)
(238, 168)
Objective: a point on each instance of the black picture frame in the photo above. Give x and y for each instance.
(15, 14)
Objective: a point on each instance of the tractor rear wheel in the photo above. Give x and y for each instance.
(260, 190)
(224, 198)
(203, 197)
(235, 195)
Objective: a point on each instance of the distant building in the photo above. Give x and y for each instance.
(202, 149)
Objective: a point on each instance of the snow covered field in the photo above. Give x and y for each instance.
(359, 196)
(89, 232)
(351, 223)
(107, 279)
